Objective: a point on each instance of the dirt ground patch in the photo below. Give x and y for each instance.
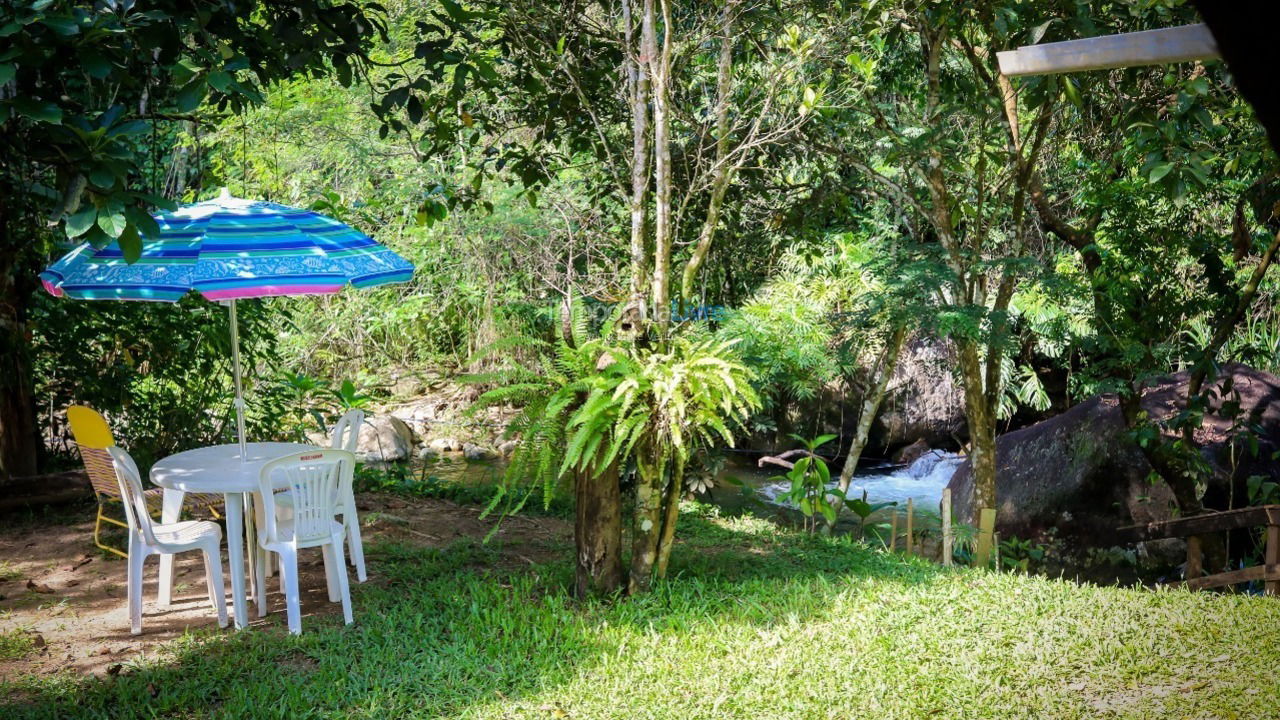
(70, 598)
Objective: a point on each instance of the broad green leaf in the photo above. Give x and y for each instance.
(828, 512)
(191, 95)
(1038, 31)
(103, 178)
(144, 222)
(79, 223)
(61, 25)
(1072, 92)
(45, 112)
(7, 71)
(130, 244)
(1159, 171)
(113, 223)
(220, 81)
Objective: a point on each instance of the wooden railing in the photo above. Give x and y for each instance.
(1192, 528)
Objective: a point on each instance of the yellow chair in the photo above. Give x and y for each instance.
(93, 437)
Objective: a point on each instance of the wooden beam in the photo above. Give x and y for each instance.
(1266, 573)
(1202, 524)
(1149, 47)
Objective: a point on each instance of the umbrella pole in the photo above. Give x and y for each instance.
(235, 369)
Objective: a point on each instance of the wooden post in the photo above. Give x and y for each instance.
(1193, 557)
(893, 532)
(910, 525)
(1272, 557)
(986, 531)
(1135, 49)
(947, 547)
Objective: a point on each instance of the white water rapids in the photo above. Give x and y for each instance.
(921, 481)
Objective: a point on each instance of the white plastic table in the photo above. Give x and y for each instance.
(219, 469)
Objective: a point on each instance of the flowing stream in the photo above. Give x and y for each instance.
(921, 481)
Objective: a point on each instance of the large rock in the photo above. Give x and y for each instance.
(1082, 473)
(474, 452)
(923, 400)
(384, 438)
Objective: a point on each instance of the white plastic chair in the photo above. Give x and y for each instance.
(315, 479)
(346, 436)
(147, 538)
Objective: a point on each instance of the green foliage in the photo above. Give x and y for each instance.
(1019, 554)
(15, 644)
(160, 373)
(809, 479)
(591, 404)
(1262, 491)
(91, 86)
(864, 510)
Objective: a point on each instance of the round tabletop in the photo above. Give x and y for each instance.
(218, 469)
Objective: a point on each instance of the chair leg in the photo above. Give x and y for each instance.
(97, 534)
(352, 523)
(137, 556)
(260, 575)
(213, 576)
(289, 583)
(332, 566)
(171, 509)
(344, 587)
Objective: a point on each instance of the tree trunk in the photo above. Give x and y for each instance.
(660, 68)
(723, 172)
(674, 490)
(597, 533)
(638, 91)
(882, 372)
(982, 427)
(19, 438)
(647, 521)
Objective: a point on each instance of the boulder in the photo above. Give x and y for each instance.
(911, 453)
(418, 415)
(508, 448)
(1082, 473)
(444, 444)
(472, 451)
(923, 400)
(426, 453)
(1078, 471)
(384, 438)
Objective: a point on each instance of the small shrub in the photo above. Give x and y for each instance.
(15, 644)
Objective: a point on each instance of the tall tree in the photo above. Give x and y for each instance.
(700, 91)
(85, 90)
(931, 132)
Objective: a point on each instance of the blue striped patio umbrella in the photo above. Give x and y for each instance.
(227, 249)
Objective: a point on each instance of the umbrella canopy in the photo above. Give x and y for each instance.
(227, 249)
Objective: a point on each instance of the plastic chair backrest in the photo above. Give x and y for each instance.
(89, 428)
(346, 432)
(93, 437)
(315, 479)
(135, 503)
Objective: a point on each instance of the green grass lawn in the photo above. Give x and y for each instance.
(758, 622)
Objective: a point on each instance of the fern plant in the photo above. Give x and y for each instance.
(590, 405)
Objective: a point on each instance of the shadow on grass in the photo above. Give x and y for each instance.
(444, 631)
